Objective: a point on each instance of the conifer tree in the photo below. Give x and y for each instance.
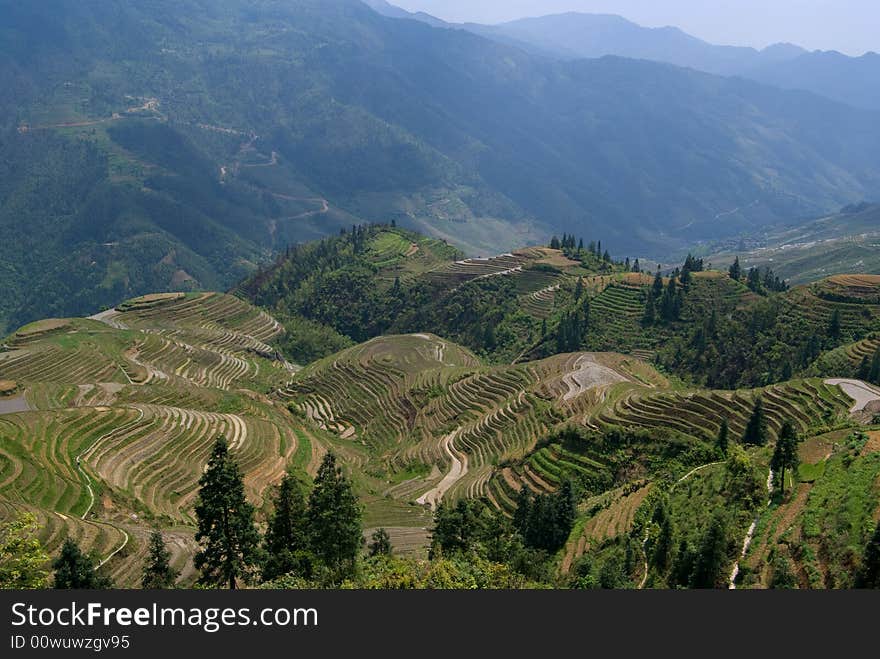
(74, 570)
(380, 544)
(287, 543)
(874, 372)
(226, 533)
(785, 455)
(735, 270)
(711, 555)
(334, 519)
(756, 430)
(723, 440)
(868, 575)
(835, 330)
(158, 573)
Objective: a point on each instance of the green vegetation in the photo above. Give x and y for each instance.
(150, 155)
(227, 535)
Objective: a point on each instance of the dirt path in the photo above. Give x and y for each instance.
(109, 318)
(747, 541)
(588, 374)
(691, 473)
(456, 472)
(861, 392)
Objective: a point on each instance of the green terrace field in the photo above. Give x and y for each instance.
(112, 417)
(124, 409)
(819, 528)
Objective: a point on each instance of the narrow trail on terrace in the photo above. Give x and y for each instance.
(91, 491)
(747, 541)
(456, 472)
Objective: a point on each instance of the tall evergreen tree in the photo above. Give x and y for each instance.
(657, 287)
(835, 331)
(711, 555)
(874, 373)
(334, 519)
(735, 270)
(76, 571)
(868, 575)
(226, 533)
(287, 542)
(785, 455)
(158, 573)
(380, 543)
(756, 430)
(723, 440)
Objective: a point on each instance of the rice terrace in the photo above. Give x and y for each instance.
(107, 423)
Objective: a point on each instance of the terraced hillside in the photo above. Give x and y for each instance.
(116, 416)
(422, 404)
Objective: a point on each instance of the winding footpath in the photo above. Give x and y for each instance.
(91, 491)
(747, 541)
(456, 472)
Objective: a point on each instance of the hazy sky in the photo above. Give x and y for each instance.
(850, 26)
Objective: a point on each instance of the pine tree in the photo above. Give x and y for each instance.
(711, 555)
(874, 373)
(735, 270)
(287, 543)
(868, 575)
(554, 243)
(606, 257)
(670, 303)
(723, 440)
(226, 533)
(380, 544)
(636, 266)
(650, 314)
(158, 573)
(76, 571)
(834, 329)
(334, 519)
(864, 371)
(523, 511)
(753, 281)
(756, 430)
(785, 455)
(657, 287)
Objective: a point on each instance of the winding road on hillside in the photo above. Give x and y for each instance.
(861, 392)
(456, 472)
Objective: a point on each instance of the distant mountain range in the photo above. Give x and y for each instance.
(180, 144)
(852, 80)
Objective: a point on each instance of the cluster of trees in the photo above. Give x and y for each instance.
(573, 328)
(759, 280)
(767, 341)
(575, 248)
(321, 535)
(544, 521)
(664, 302)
